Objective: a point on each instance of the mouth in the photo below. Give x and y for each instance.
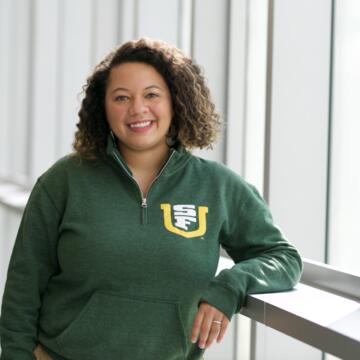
(141, 125)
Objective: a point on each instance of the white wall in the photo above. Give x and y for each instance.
(344, 231)
(298, 143)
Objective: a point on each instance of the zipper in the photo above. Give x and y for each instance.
(144, 204)
(144, 211)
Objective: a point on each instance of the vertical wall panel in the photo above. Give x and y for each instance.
(5, 30)
(76, 65)
(9, 224)
(249, 158)
(105, 30)
(299, 121)
(210, 50)
(158, 19)
(127, 20)
(45, 107)
(185, 25)
(298, 142)
(4, 257)
(256, 93)
(20, 55)
(344, 230)
(237, 83)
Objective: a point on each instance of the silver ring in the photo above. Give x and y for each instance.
(217, 322)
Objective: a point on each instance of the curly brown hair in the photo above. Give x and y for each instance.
(195, 122)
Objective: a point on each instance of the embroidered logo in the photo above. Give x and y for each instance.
(185, 216)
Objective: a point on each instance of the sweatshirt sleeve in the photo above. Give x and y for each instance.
(32, 263)
(264, 260)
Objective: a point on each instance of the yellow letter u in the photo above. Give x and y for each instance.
(201, 230)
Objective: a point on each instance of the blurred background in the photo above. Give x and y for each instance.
(284, 74)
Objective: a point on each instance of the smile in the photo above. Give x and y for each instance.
(140, 125)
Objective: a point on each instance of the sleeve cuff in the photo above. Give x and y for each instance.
(224, 299)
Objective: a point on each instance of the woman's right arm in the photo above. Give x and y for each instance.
(33, 262)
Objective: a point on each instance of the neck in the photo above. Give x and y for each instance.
(150, 161)
(145, 165)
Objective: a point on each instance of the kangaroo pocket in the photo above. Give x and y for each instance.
(112, 326)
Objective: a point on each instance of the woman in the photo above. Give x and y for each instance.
(119, 243)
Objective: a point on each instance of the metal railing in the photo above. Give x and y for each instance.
(322, 311)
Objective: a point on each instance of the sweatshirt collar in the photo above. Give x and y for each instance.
(178, 158)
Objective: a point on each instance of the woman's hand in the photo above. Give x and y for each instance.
(40, 353)
(206, 323)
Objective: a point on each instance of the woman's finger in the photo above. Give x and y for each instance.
(197, 325)
(205, 329)
(215, 328)
(224, 325)
(40, 353)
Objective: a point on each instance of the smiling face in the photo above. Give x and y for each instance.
(138, 107)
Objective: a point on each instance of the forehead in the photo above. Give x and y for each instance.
(135, 74)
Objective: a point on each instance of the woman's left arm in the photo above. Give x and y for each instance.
(264, 262)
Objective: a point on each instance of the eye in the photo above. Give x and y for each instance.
(121, 98)
(152, 95)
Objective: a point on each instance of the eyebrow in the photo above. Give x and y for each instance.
(148, 87)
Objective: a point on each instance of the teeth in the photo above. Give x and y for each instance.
(140, 124)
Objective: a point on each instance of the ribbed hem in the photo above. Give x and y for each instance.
(222, 298)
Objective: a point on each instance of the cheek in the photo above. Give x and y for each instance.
(165, 110)
(114, 113)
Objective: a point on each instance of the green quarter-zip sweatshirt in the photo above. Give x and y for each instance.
(98, 272)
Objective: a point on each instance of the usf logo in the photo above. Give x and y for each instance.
(184, 216)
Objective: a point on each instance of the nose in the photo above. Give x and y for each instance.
(138, 106)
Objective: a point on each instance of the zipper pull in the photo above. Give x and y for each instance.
(144, 211)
